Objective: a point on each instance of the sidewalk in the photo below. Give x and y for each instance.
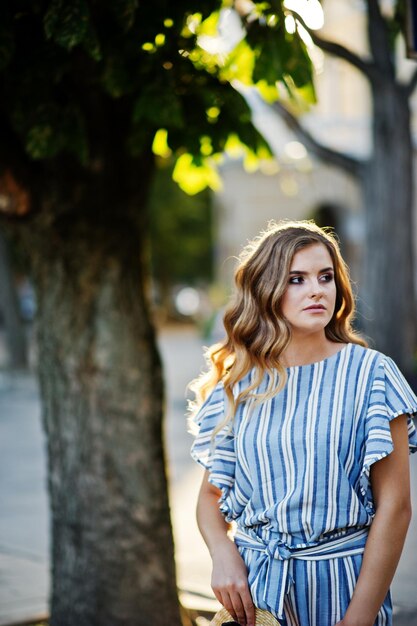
(24, 541)
(24, 575)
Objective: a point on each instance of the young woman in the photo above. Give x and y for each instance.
(304, 434)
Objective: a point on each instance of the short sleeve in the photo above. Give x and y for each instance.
(216, 454)
(390, 396)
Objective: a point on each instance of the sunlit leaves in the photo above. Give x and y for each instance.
(278, 54)
(268, 54)
(208, 26)
(237, 149)
(239, 64)
(193, 174)
(191, 25)
(206, 147)
(213, 114)
(268, 92)
(81, 61)
(298, 99)
(270, 57)
(160, 145)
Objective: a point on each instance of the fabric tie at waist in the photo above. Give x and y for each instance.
(278, 555)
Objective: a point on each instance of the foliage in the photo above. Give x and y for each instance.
(83, 49)
(145, 57)
(180, 233)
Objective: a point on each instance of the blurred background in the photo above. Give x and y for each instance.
(334, 137)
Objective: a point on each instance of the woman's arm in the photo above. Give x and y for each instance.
(390, 480)
(229, 578)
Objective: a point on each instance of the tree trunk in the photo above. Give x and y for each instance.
(102, 393)
(389, 311)
(9, 307)
(387, 303)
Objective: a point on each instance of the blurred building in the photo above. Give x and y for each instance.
(298, 185)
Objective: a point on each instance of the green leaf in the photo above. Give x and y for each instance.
(125, 12)
(268, 92)
(67, 23)
(55, 129)
(160, 145)
(180, 233)
(92, 44)
(159, 106)
(270, 58)
(195, 174)
(115, 77)
(239, 64)
(298, 63)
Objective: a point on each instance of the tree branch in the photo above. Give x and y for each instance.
(329, 155)
(379, 39)
(340, 51)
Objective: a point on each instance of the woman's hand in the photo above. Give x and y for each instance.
(229, 582)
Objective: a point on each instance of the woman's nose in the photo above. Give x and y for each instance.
(316, 288)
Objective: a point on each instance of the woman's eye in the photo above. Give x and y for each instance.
(327, 278)
(296, 280)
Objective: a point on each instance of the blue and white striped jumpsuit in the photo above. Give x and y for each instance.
(294, 476)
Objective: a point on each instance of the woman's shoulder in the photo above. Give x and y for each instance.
(376, 365)
(363, 364)
(369, 355)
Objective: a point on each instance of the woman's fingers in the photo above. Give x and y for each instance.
(230, 584)
(225, 600)
(249, 609)
(238, 609)
(239, 604)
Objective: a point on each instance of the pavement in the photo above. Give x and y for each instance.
(24, 533)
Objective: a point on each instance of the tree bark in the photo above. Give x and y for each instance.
(102, 394)
(9, 307)
(390, 310)
(388, 196)
(387, 303)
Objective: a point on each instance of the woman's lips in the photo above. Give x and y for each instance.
(315, 307)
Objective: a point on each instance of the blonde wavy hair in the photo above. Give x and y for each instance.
(256, 331)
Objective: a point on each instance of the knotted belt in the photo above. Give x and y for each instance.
(278, 554)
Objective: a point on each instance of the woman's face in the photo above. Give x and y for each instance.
(309, 301)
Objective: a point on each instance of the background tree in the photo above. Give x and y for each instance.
(386, 176)
(10, 314)
(85, 87)
(181, 237)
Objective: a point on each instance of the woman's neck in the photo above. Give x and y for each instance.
(303, 350)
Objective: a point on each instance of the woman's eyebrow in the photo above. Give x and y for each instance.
(326, 269)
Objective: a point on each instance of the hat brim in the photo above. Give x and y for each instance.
(263, 618)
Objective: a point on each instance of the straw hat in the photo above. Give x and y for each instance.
(263, 618)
